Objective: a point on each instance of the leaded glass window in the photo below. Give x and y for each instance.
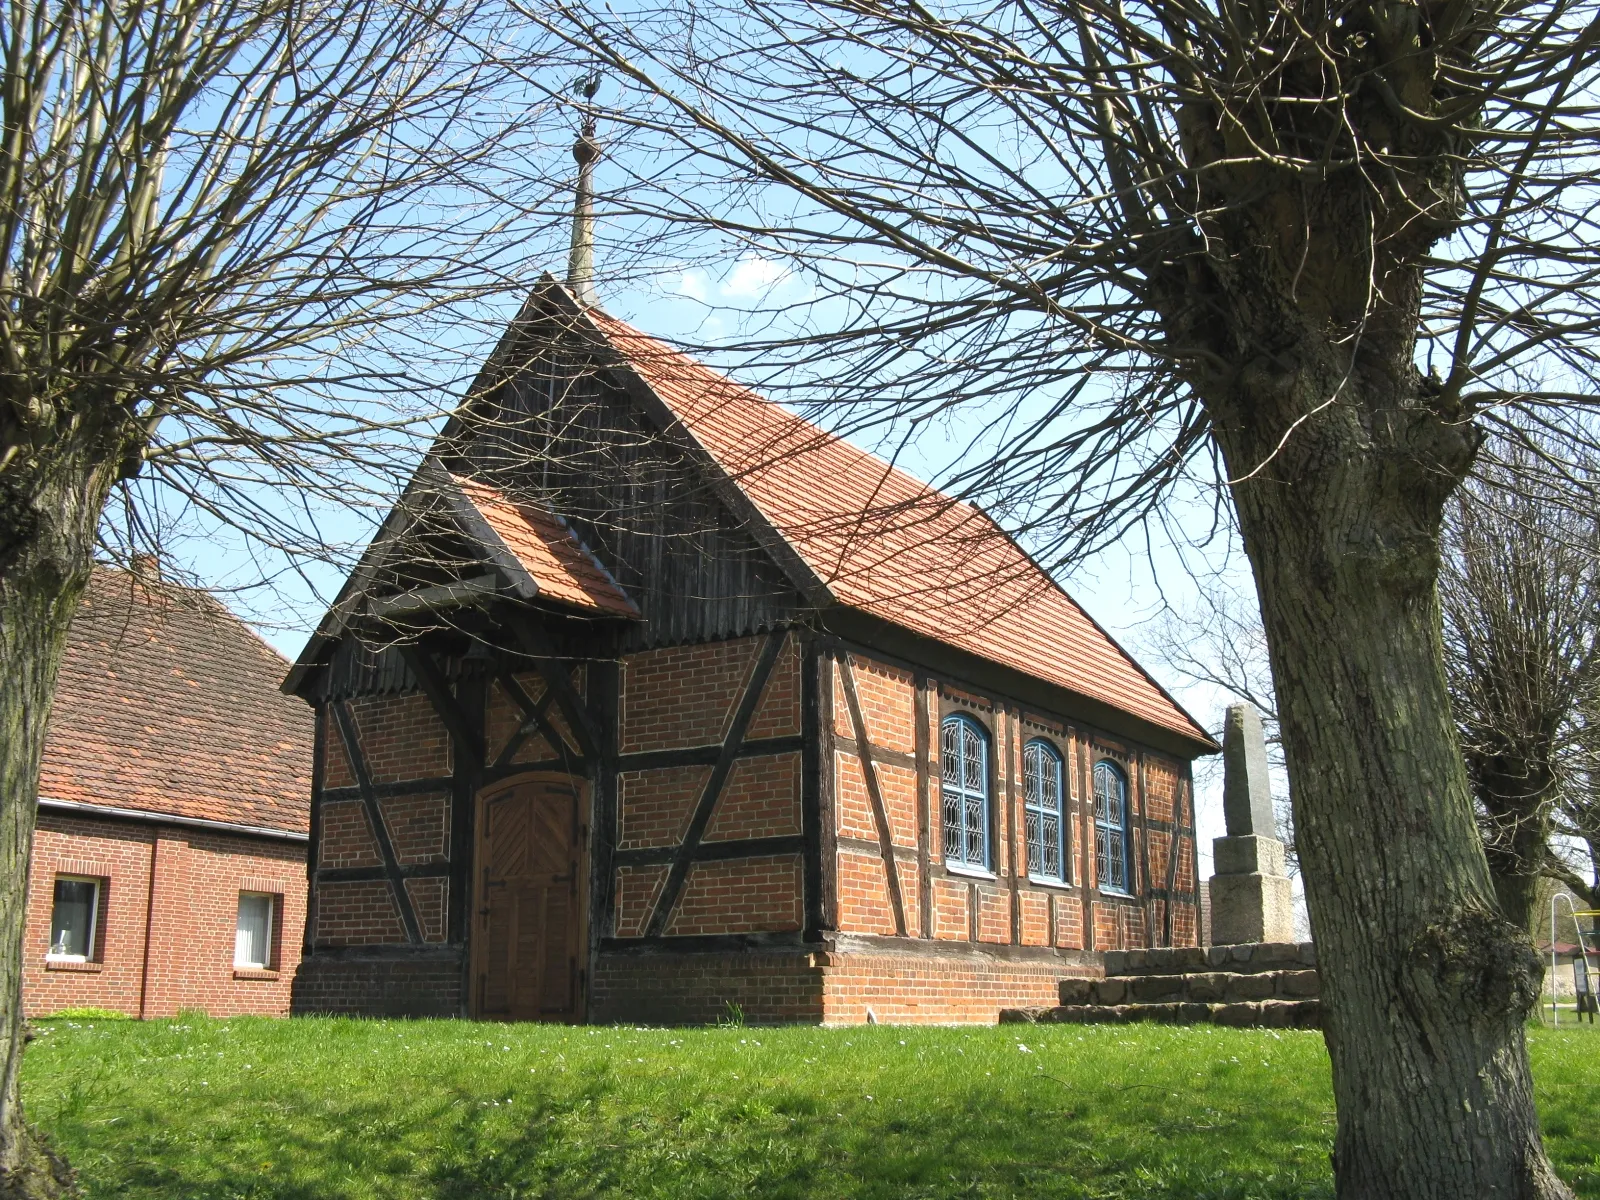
(964, 792)
(1111, 827)
(1044, 811)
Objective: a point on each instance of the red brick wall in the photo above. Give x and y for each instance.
(682, 696)
(401, 738)
(402, 741)
(697, 989)
(740, 895)
(685, 697)
(426, 984)
(654, 806)
(823, 987)
(922, 990)
(183, 958)
(1010, 907)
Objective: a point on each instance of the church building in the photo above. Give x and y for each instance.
(652, 702)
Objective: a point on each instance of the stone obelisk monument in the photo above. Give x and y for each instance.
(1250, 900)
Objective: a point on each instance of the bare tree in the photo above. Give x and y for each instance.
(1520, 599)
(1577, 818)
(1520, 593)
(1305, 251)
(209, 209)
(1217, 641)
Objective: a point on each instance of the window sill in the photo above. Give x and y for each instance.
(969, 872)
(1115, 893)
(1061, 885)
(68, 964)
(261, 973)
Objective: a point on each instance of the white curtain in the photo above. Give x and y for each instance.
(252, 943)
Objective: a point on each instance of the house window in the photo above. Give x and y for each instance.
(965, 793)
(1111, 827)
(252, 939)
(1044, 811)
(75, 919)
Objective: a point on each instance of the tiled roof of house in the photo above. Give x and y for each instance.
(548, 550)
(884, 542)
(168, 703)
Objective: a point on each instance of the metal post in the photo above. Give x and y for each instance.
(1555, 1014)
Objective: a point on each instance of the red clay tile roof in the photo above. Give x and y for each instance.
(549, 551)
(888, 544)
(168, 703)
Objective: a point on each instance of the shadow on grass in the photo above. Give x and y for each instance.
(351, 1111)
(784, 1145)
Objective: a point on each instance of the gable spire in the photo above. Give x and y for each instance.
(580, 262)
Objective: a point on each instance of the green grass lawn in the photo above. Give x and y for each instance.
(316, 1108)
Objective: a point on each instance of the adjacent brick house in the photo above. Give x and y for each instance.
(651, 698)
(168, 869)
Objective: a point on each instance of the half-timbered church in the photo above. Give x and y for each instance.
(653, 702)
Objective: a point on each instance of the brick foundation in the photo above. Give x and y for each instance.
(826, 986)
(696, 989)
(402, 983)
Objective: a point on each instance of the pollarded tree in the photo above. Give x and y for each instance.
(1520, 598)
(1520, 593)
(1307, 249)
(210, 207)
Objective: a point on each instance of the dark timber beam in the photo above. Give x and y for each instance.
(924, 796)
(467, 738)
(534, 721)
(811, 769)
(707, 756)
(655, 856)
(880, 814)
(380, 831)
(551, 665)
(667, 901)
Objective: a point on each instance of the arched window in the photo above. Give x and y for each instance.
(965, 792)
(1111, 826)
(1045, 814)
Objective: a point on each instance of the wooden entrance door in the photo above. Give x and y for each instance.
(527, 938)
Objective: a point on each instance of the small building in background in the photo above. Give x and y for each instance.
(168, 869)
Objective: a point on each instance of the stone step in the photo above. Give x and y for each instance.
(1265, 1014)
(1199, 987)
(1183, 960)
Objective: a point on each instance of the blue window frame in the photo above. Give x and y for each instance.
(1044, 811)
(1111, 827)
(964, 792)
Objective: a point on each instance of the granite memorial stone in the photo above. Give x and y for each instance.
(1250, 894)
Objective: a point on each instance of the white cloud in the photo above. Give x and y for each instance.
(693, 285)
(752, 278)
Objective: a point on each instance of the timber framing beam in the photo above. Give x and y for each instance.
(869, 769)
(380, 831)
(707, 756)
(684, 854)
(551, 665)
(655, 856)
(535, 720)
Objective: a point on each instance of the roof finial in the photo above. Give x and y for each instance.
(580, 263)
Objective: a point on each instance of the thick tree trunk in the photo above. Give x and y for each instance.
(45, 558)
(1515, 796)
(1425, 985)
